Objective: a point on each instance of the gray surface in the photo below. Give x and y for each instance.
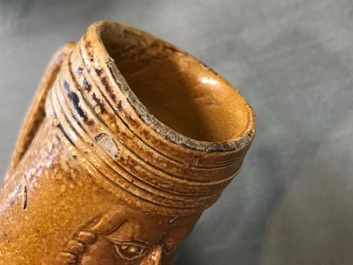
(292, 202)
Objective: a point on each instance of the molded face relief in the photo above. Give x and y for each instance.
(127, 236)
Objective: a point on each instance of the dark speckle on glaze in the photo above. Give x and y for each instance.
(86, 85)
(79, 71)
(108, 89)
(99, 72)
(75, 101)
(99, 103)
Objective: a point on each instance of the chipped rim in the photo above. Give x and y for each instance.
(242, 141)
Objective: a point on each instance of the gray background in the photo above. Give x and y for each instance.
(292, 202)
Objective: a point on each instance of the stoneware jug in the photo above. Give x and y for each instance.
(127, 141)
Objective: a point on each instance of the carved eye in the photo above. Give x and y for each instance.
(131, 251)
(170, 247)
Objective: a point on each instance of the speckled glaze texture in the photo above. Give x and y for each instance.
(128, 140)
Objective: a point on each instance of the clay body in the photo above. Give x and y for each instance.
(128, 140)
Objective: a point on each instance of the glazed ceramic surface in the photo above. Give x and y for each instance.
(128, 140)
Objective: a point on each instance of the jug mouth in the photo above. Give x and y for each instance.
(173, 93)
(149, 123)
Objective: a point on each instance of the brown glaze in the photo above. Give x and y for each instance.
(128, 140)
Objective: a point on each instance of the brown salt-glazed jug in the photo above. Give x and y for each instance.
(128, 140)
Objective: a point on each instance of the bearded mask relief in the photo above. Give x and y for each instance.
(128, 140)
(127, 236)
